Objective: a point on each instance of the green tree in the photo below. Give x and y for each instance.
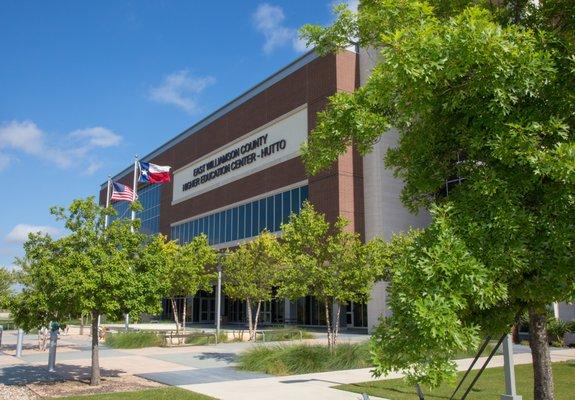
(6, 281)
(484, 91)
(185, 269)
(93, 269)
(325, 261)
(250, 273)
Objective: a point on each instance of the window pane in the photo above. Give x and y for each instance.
(222, 237)
(235, 224)
(228, 225)
(286, 207)
(195, 228)
(212, 230)
(217, 228)
(242, 223)
(277, 212)
(262, 223)
(255, 215)
(270, 214)
(248, 230)
(295, 204)
(303, 194)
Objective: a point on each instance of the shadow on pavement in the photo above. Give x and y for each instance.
(25, 374)
(229, 357)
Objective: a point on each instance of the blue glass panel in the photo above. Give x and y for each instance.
(303, 194)
(262, 222)
(222, 237)
(248, 226)
(216, 234)
(277, 212)
(242, 222)
(270, 214)
(228, 225)
(212, 228)
(235, 221)
(295, 204)
(255, 215)
(286, 206)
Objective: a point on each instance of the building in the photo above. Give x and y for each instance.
(238, 171)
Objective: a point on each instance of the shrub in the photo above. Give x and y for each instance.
(302, 359)
(200, 339)
(282, 335)
(133, 340)
(556, 330)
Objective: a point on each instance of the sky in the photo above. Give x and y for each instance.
(85, 86)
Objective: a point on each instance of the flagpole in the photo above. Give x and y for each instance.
(107, 217)
(135, 188)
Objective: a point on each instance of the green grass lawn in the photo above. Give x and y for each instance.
(171, 393)
(490, 386)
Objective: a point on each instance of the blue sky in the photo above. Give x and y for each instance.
(87, 85)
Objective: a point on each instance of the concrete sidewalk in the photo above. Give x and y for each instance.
(320, 385)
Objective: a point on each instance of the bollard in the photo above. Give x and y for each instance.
(19, 343)
(52, 350)
(1, 331)
(509, 370)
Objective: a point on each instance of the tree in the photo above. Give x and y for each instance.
(185, 269)
(94, 269)
(325, 261)
(484, 91)
(6, 280)
(250, 274)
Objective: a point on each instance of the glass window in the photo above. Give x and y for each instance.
(212, 228)
(217, 228)
(235, 220)
(262, 223)
(286, 206)
(295, 204)
(194, 228)
(242, 222)
(228, 225)
(248, 230)
(270, 214)
(222, 237)
(255, 215)
(303, 194)
(277, 212)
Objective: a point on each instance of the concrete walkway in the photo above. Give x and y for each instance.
(203, 369)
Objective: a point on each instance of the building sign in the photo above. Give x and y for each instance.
(254, 152)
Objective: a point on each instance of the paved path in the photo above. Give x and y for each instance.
(204, 369)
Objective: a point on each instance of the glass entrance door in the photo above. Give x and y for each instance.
(207, 309)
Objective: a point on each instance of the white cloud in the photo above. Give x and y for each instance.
(181, 90)
(97, 136)
(26, 137)
(19, 234)
(93, 167)
(269, 20)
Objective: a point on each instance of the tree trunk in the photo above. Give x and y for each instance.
(336, 323)
(515, 333)
(175, 310)
(250, 323)
(539, 343)
(184, 316)
(95, 377)
(81, 324)
(328, 325)
(257, 317)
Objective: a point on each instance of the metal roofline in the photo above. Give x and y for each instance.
(231, 105)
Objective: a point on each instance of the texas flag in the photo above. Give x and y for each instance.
(152, 173)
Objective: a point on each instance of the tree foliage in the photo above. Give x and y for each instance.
(184, 269)
(93, 269)
(325, 261)
(484, 91)
(251, 272)
(6, 281)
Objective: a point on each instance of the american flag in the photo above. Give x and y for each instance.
(121, 192)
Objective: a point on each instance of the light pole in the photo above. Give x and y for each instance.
(508, 367)
(218, 301)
